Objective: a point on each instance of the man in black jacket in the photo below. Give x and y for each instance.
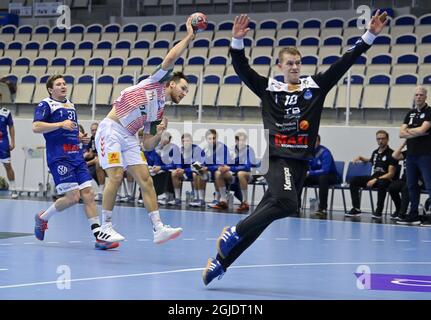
(291, 112)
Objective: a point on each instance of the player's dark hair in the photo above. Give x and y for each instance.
(211, 131)
(51, 80)
(383, 132)
(176, 77)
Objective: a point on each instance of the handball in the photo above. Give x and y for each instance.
(199, 21)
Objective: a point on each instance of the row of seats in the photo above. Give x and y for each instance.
(378, 92)
(219, 65)
(97, 33)
(202, 46)
(4, 5)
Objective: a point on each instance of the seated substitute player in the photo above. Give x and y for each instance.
(138, 106)
(6, 147)
(245, 159)
(217, 158)
(291, 112)
(322, 173)
(190, 154)
(55, 117)
(384, 169)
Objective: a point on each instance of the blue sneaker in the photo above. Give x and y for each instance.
(226, 241)
(212, 270)
(40, 227)
(105, 245)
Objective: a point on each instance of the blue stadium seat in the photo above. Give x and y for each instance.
(309, 60)
(225, 25)
(154, 61)
(85, 45)
(330, 59)
(105, 79)
(161, 44)
(333, 41)
(379, 79)
(211, 79)
(96, 62)
(22, 62)
(408, 58)
(382, 59)
(125, 79)
(405, 21)
(123, 44)
(218, 60)
(32, 45)
(85, 79)
(15, 45)
(406, 79)
(77, 62)
(68, 45)
(382, 39)
(334, 23)
(232, 79)
(167, 26)
(130, 27)
(221, 42)
(265, 42)
(192, 78)
(58, 62)
(135, 62)
(149, 27)
(201, 43)
(104, 45)
(355, 79)
(40, 62)
(310, 41)
(115, 62)
(312, 23)
(290, 24)
(268, 24)
(112, 28)
(406, 39)
(262, 60)
(28, 79)
(287, 41)
(142, 44)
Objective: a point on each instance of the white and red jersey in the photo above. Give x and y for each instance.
(140, 105)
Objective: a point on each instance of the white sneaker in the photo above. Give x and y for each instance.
(166, 233)
(140, 201)
(14, 195)
(107, 233)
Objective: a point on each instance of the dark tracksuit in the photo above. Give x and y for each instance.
(291, 114)
(418, 157)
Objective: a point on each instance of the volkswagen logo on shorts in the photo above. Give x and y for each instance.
(62, 170)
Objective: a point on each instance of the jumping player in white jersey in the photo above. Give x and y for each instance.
(55, 117)
(140, 106)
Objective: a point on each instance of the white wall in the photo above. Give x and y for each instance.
(344, 142)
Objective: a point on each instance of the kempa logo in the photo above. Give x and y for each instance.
(64, 21)
(287, 182)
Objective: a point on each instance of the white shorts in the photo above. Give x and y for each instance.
(116, 147)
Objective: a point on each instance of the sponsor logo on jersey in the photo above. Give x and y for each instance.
(294, 142)
(113, 157)
(70, 147)
(62, 170)
(287, 182)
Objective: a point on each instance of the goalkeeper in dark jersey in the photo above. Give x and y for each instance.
(291, 112)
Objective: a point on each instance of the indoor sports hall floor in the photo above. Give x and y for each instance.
(295, 258)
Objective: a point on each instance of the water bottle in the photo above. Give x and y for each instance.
(187, 198)
(313, 204)
(40, 193)
(230, 200)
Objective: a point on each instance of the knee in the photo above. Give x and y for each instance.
(73, 197)
(289, 206)
(116, 178)
(87, 195)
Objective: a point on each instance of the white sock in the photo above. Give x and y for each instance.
(201, 194)
(233, 229)
(106, 216)
(155, 219)
(49, 212)
(12, 186)
(222, 194)
(244, 195)
(177, 193)
(101, 188)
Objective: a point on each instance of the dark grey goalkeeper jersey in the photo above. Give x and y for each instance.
(292, 115)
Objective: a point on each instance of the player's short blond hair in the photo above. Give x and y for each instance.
(288, 50)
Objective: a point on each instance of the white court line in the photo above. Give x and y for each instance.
(281, 239)
(189, 239)
(143, 240)
(53, 242)
(3, 269)
(426, 240)
(75, 241)
(211, 239)
(378, 240)
(402, 240)
(144, 274)
(306, 239)
(6, 244)
(29, 243)
(354, 239)
(329, 239)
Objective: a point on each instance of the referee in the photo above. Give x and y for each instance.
(291, 112)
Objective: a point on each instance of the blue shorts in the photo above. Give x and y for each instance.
(5, 155)
(70, 176)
